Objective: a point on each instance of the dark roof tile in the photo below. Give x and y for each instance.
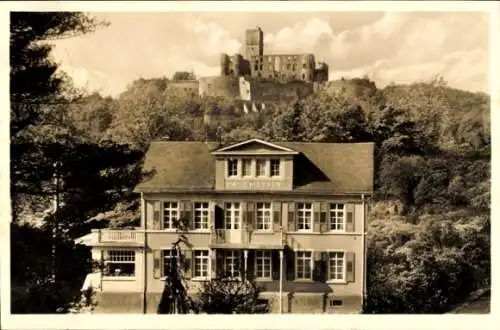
(321, 167)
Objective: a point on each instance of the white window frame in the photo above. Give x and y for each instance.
(170, 211)
(274, 175)
(344, 267)
(305, 260)
(261, 256)
(230, 168)
(201, 256)
(232, 214)
(257, 173)
(333, 219)
(244, 167)
(168, 254)
(301, 212)
(264, 216)
(201, 215)
(122, 257)
(232, 264)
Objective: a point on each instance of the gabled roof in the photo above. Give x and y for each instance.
(333, 168)
(254, 146)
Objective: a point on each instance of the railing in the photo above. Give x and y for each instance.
(220, 235)
(123, 235)
(248, 236)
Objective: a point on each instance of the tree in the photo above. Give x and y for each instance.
(227, 296)
(142, 115)
(175, 298)
(184, 75)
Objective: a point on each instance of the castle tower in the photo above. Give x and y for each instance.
(254, 44)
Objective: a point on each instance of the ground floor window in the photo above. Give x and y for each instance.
(169, 260)
(120, 263)
(336, 267)
(304, 265)
(263, 264)
(232, 264)
(201, 261)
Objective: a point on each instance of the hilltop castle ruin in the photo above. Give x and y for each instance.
(259, 78)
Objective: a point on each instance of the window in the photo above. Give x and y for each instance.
(303, 65)
(336, 266)
(120, 263)
(294, 67)
(260, 169)
(201, 263)
(247, 167)
(169, 258)
(201, 215)
(232, 216)
(232, 167)
(288, 66)
(336, 217)
(263, 264)
(263, 221)
(304, 216)
(275, 167)
(232, 264)
(304, 265)
(170, 214)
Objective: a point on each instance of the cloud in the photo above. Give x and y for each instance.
(399, 47)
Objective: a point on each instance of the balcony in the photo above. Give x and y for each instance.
(246, 238)
(126, 237)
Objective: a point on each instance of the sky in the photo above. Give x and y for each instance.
(388, 47)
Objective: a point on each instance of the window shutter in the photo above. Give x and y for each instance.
(290, 265)
(323, 217)
(349, 217)
(157, 269)
(188, 263)
(317, 271)
(157, 223)
(250, 218)
(244, 220)
(211, 215)
(275, 264)
(213, 263)
(291, 217)
(251, 265)
(219, 263)
(277, 216)
(324, 263)
(316, 219)
(187, 215)
(350, 267)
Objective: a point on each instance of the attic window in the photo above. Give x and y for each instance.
(232, 167)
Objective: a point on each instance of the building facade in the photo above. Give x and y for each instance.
(289, 215)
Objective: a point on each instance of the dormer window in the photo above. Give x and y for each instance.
(232, 167)
(247, 167)
(260, 167)
(275, 167)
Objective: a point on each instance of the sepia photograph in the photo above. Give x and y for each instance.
(231, 161)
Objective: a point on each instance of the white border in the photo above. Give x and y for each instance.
(286, 321)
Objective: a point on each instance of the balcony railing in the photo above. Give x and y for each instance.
(247, 236)
(118, 235)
